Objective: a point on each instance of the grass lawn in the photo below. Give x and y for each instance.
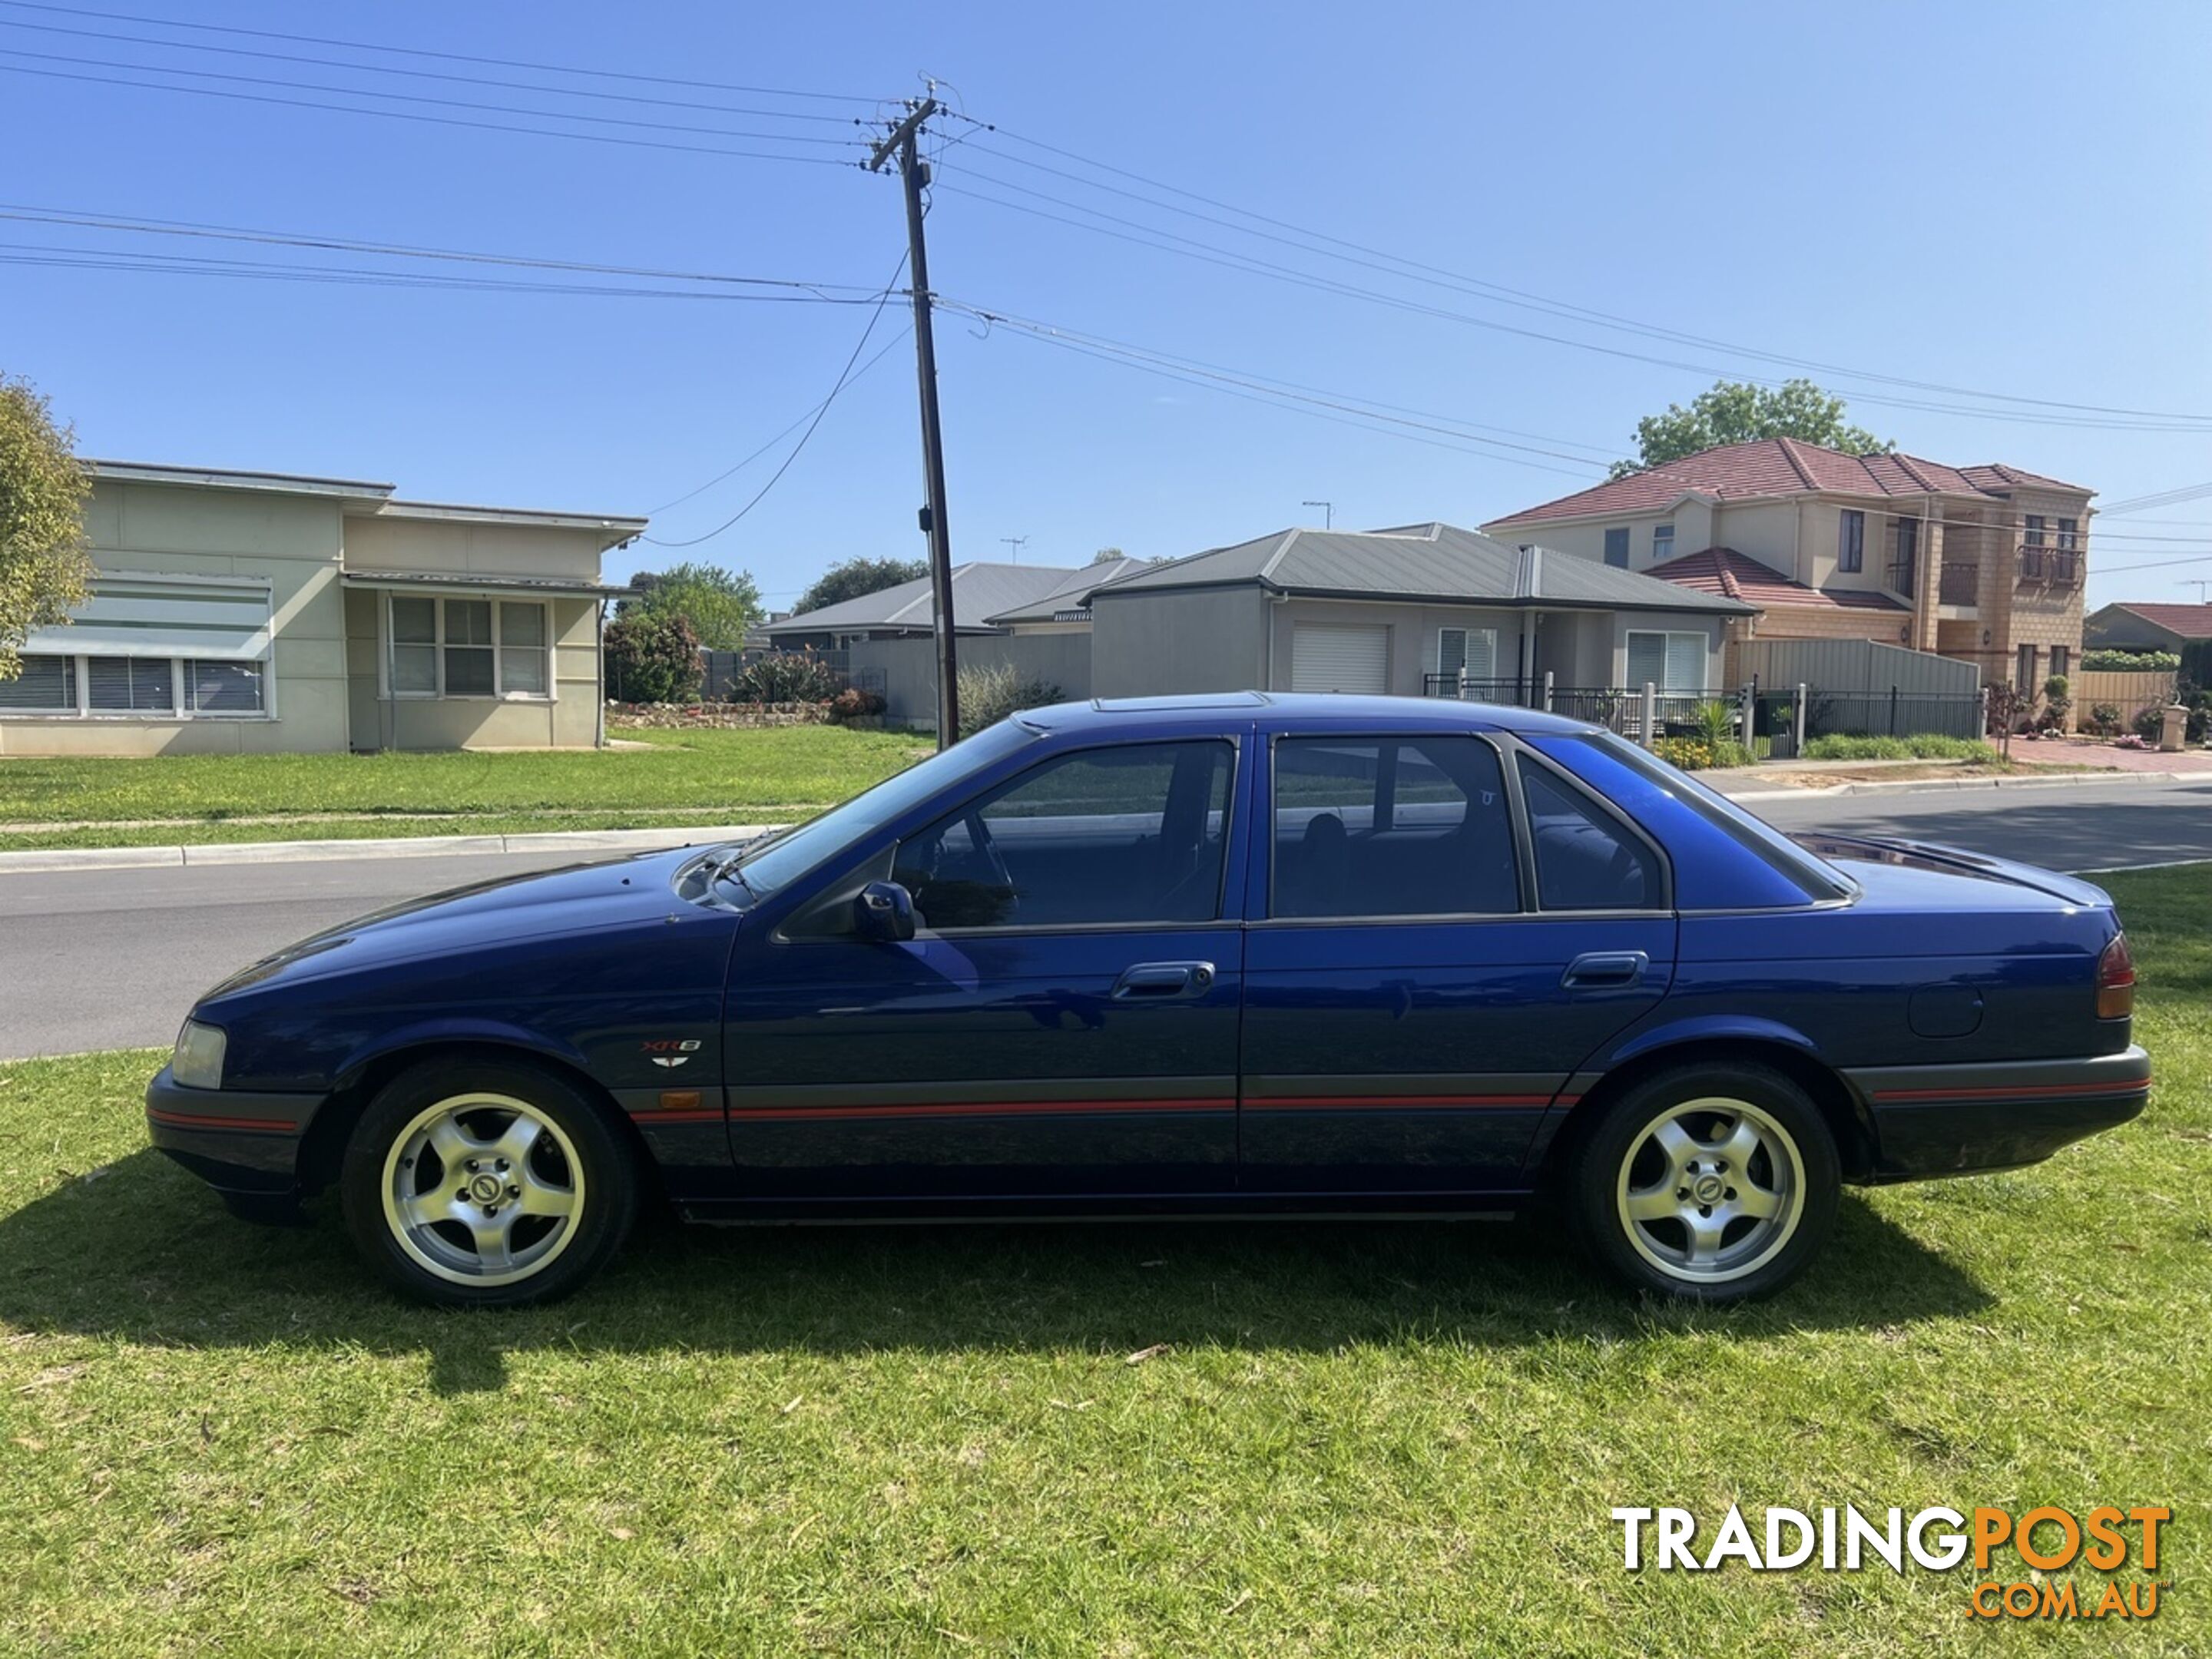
(1360, 1439)
(680, 777)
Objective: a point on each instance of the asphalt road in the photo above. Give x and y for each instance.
(112, 958)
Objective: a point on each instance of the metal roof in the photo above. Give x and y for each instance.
(442, 580)
(1433, 563)
(1072, 594)
(980, 592)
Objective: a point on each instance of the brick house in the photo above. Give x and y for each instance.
(1984, 563)
(2137, 625)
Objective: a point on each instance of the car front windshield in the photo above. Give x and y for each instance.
(771, 862)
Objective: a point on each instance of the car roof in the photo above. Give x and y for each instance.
(1284, 710)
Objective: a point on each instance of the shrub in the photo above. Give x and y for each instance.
(1701, 753)
(2130, 662)
(1923, 746)
(2104, 717)
(853, 704)
(2150, 722)
(1717, 722)
(652, 659)
(784, 676)
(989, 694)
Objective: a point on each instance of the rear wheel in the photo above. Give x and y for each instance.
(486, 1184)
(1711, 1183)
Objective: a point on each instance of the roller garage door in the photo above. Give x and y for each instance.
(1338, 657)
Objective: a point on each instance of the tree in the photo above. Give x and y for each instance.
(720, 604)
(1736, 412)
(652, 659)
(855, 577)
(1108, 555)
(44, 567)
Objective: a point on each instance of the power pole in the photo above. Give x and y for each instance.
(1017, 542)
(2199, 585)
(1328, 513)
(902, 143)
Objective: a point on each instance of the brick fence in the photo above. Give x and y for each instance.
(727, 716)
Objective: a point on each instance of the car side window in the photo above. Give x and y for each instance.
(1586, 858)
(1413, 826)
(1134, 835)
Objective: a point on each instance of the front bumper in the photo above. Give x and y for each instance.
(237, 1142)
(1933, 1120)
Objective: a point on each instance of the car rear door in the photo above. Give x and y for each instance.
(1422, 978)
(1062, 1024)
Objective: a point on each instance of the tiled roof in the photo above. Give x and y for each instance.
(1435, 563)
(1738, 575)
(1779, 466)
(2192, 622)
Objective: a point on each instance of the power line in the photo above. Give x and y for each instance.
(845, 377)
(2164, 498)
(731, 472)
(1210, 254)
(1304, 238)
(443, 57)
(433, 120)
(85, 219)
(426, 74)
(425, 97)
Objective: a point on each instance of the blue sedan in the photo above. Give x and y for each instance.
(1233, 954)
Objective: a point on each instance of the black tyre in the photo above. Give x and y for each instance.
(487, 1183)
(1712, 1183)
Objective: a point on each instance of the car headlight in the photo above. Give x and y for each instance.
(197, 1063)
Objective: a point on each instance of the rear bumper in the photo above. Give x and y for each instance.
(235, 1141)
(1933, 1120)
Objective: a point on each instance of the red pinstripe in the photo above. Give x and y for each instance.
(2018, 1092)
(273, 1126)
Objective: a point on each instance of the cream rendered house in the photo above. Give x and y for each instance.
(247, 612)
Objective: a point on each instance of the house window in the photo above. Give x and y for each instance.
(1663, 542)
(1671, 662)
(469, 648)
(1851, 545)
(1616, 547)
(2034, 536)
(2024, 670)
(1473, 651)
(2061, 660)
(1905, 560)
(2069, 534)
(124, 652)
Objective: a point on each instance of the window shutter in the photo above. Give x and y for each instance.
(1482, 653)
(1647, 660)
(1685, 662)
(165, 616)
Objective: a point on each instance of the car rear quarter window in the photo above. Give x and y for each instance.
(1414, 826)
(1723, 858)
(1586, 858)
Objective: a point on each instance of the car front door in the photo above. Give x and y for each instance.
(1063, 1021)
(1424, 981)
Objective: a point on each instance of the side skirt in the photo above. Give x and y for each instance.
(937, 1211)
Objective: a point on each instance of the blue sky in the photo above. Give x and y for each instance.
(2005, 197)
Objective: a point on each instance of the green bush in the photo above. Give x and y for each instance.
(1702, 754)
(2130, 662)
(785, 677)
(988, 694)
(1925, 745)
(2104, 718)
(652, 659)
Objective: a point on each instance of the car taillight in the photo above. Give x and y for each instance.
(2116, 981)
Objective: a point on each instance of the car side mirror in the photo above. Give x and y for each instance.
(883, 913)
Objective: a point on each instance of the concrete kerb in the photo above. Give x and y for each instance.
(1927, 786)
(300, 852)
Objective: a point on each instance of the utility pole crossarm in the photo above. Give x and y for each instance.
(901, 134)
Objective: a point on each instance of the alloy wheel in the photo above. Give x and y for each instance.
(483, 1189)
(1711, 1190)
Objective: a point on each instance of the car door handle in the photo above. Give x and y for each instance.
(1605, 969)
(1156, 980)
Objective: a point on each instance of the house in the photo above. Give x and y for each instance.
(2131, 626)
(1984, 563)
(979, 590)
(247, 612)
(1397, 611)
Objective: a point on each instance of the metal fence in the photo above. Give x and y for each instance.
(1765, 719)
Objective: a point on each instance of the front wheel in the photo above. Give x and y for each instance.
(486, 1184)
(1709, 1183)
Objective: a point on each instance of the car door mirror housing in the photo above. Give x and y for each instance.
(883, 913)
